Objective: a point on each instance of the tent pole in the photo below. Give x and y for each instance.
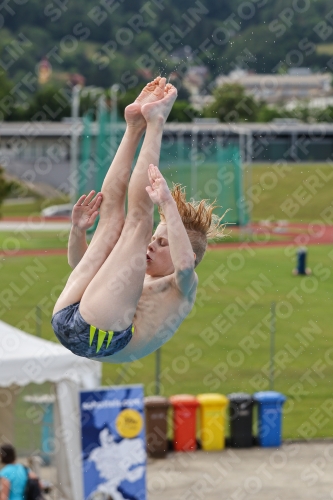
(75, 111)
(38, 321)
(158, 372)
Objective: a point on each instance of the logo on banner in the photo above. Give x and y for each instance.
(113, 443)
(129, 423)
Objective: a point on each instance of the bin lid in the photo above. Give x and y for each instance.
(212, 399)
(240, 397)
(269, 397)
(184, 400)
(156, 402)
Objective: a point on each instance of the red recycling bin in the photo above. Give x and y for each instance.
(184, 422)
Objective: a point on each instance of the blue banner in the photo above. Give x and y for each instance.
(113, 443)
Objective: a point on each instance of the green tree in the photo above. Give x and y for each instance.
(51, 102)
(5, 98)
(182, 111)
(269, 113)
(232, 104)
(103, 47)
(5, 187)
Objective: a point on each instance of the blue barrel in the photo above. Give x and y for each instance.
(47, 433)
(269, 417)
(301, 261)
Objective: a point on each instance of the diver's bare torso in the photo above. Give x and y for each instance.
(160, 311)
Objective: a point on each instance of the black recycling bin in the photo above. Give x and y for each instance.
(241, 418)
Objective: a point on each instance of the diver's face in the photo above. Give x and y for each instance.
(159, 261)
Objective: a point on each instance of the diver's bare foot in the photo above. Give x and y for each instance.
(152, 92)
(158, 111)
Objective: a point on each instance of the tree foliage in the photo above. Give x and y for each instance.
(128, 42)
(5, 96)
(5, 187)
(49, 103)
(232, 104)
(104, 40)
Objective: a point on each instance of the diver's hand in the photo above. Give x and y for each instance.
(158, 190)
(85, 210)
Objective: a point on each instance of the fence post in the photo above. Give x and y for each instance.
(38, 321)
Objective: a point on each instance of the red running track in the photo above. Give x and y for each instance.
(294, 234)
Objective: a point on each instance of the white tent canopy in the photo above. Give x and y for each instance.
(26, 359)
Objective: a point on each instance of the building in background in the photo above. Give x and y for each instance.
(195, 78)
(298, 84)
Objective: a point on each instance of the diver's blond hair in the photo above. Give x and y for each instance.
(199, 220)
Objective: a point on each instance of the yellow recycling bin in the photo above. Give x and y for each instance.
(212, 413)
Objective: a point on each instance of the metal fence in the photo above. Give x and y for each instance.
(208, 167)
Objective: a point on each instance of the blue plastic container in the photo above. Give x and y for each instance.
(301, 261)
(269, 417)
(47, 433)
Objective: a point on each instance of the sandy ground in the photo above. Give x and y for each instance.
(294, 471)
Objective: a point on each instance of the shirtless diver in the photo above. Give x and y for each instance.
(130, 290)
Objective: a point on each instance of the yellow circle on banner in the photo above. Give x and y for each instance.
(129, 423)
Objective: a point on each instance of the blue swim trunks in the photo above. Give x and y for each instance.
(87, 340)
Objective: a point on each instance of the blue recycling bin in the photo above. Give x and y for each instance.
(301, 261)
(47, 433)
(269, 417)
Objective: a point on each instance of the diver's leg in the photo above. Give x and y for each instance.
(111, 298)
(112, 210)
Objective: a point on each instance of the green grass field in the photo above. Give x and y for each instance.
(11, 241)
(213, 351)
(310, 187)
(269, 189)
(224, 345)
(33, 208)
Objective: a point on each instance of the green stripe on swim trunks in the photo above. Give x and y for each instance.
(101, 337)
(109, 339)
(92, 334)
(100, 340)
